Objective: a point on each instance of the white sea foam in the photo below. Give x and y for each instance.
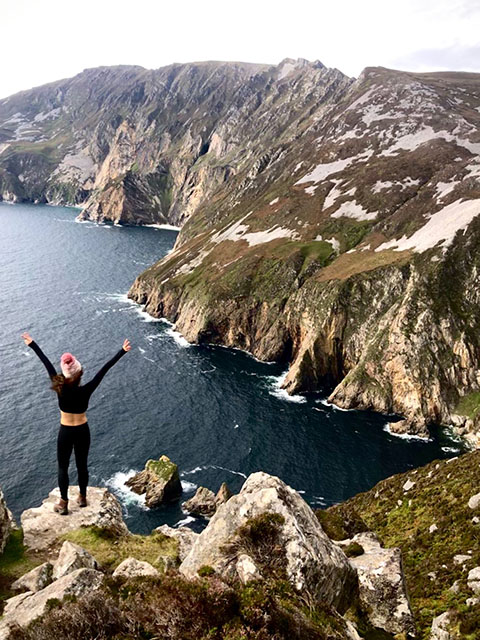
(125, 495)
(326, 403)
(170, 227)
(177, 336)
(451, 449)
(188, 486)
(405, 436)
(184, 521)
(212, 466)
(277, 391)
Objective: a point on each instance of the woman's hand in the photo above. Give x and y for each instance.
(27, 337)
(126, 345)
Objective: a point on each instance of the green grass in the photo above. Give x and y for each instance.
(111, 551)
(14, 562)
(469, 405)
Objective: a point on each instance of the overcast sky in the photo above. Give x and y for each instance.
(46, 40)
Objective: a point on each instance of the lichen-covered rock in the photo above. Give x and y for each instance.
(313, 562)
(42, 526)
(159, 481)
(36, 579)
(184, 536)
(131, 568)
(24, 608)
(246, 569)
(440, 627)
(205, 502)
(382, 589)
(6, 522)
(70, 558)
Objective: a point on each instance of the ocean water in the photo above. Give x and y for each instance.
(218, 413)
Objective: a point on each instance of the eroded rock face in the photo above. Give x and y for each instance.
(70, 558)
(159, 481)
(440, 627)
(28, 606)
(313, 562)
(36, 579)
(6, 522)
(382, 589)
(42, 526)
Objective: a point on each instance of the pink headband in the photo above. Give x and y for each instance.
(70, 365)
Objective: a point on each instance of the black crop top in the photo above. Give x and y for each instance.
(74, 398)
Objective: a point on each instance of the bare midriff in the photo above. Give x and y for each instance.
(72, 419)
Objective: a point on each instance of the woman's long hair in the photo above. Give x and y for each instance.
(59, 382)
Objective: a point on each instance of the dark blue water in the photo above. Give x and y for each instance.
(216, 412)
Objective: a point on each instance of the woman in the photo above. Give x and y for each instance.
(74, 431)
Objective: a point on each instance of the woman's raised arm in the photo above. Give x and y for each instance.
(95, 381)
(33, 345)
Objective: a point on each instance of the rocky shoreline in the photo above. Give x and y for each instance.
(340, 560)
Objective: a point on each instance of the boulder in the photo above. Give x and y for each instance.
(184, 536)
(382, 589)
(473, 580)
(440, 626)
(26, 607)
(36, 579)
(313, 563)
(6, 522)
(205, 502)
(70, 558)
(159, 481)
(474, 502)
(42, 526)
(131, 568)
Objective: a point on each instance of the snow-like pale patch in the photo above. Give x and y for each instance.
(407, 182)
(379, 185)
(333, 241)
(352, 209)
(321, 171)
(362, 99)
(274, 201)
(412, 141)
(3, 147)
(15, 119)
(444, 188)
(473, 170)
(40, 117)
(440, 228)
(170, 227)
(259, 237)
(79, 166)
(333, 194)
(287, 68)
(371, 114)
(311, 190)
(297, 167)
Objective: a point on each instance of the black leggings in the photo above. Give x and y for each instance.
(77, 438)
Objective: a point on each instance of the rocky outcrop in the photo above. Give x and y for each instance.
(353, 256)
(132, 568)
(36, 579)
(441, 627)
(313, 563)
(159, 481)
(70, 558)
(382, 590)
(205, 502)
(183, 535)
(6, 522)
(26, 607)
(42, 526)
